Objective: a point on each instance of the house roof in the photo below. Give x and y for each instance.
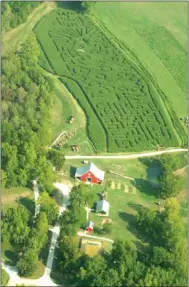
(98, 173)
(102, 205)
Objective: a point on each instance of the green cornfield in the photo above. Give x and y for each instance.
(124, 110)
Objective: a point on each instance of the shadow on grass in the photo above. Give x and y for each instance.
(72, 171)
(12, 257)
(150, 161)
(147, 187)
(135, 206)
(132, 225)
(28, 203)
(71, 5)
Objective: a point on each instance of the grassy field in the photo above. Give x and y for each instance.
(64, 107)
(12, 196)
(126, 199)
(164, 56)
(74, 53)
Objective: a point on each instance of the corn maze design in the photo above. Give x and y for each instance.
(123, 109)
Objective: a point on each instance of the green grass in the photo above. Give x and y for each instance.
(131, 167)
(122, 123)
(123, 211)
(124, 205)
(123, 19)
(14, 195)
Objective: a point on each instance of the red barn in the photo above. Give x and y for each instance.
(90, 174)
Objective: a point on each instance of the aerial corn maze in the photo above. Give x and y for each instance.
(124, 110)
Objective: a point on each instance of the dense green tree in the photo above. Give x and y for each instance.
(56, 158)
(14, 13)
(68, 254)
(145, 220)
(170, 184)
(87, 5)
(39, 234)
(49, 206)
(67, 224)
(109, 277)
(27, 263)
(15, 225)
(26, 118)
(169, 162)
(157, 276)
(89, 271)
(3, 178)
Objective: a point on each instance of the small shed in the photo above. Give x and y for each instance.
(102, 206)
(89, 226)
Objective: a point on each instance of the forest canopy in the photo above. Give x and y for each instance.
(26, 106)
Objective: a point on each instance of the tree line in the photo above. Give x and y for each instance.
(15, 13)
(26, 113)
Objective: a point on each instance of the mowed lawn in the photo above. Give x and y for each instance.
(63, 108)
(124, 204)
(12, 196)
(126, 199)
(125, 19)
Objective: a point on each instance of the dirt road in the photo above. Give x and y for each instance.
(127, 156)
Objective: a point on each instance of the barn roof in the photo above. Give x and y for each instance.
(102, 205)
(98, 173)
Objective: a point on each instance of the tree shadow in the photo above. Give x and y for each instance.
(150, 161)
(153, 167)
(12, 257)
(72, 171)
(28, 203)
(147, 187)
(143, 250)
(131, 221)
(71, 5)
(58, 196)
(135, 206)
(132, 225)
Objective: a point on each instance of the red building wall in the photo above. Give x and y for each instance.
(90, 175)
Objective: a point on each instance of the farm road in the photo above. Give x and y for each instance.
(94, 237)
(126, 156)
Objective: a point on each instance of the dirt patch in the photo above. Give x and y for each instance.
(9, 199)
(181, 171)
(106, 220)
